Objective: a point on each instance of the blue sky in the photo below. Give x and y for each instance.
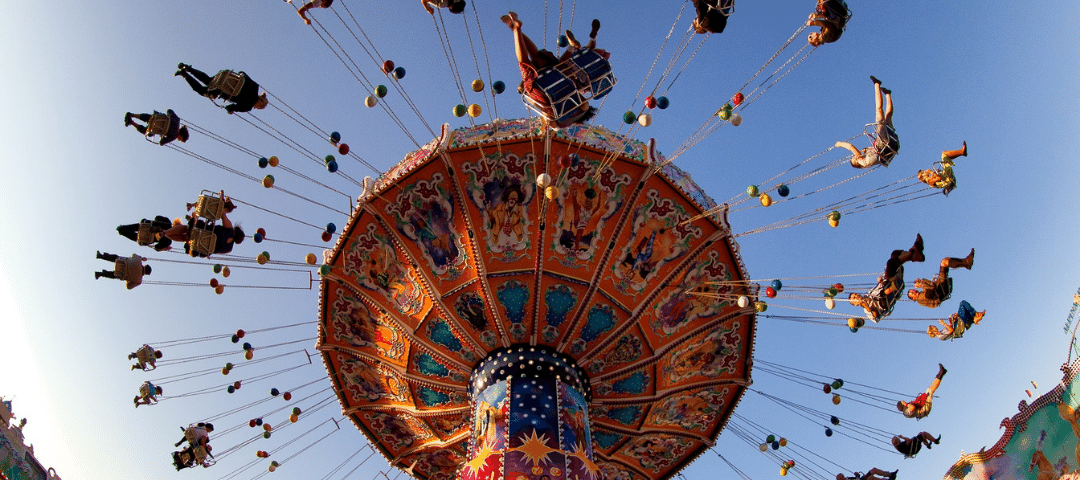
(998, 76)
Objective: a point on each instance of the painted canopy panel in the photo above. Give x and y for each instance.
(458, 251)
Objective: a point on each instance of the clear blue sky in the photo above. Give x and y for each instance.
(998, 75)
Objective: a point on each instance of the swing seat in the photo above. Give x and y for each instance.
(202, 458)
(210, 206)
(562, 93)
(887, 147)
(159, 125)
(883, 297)
(147, 234)
(595, 72)
(201, 242)
(227, 82)
(726, 7)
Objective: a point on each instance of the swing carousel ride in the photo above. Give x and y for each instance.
(512, 300)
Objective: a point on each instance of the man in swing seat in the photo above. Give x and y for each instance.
(893, 276)
(228, 86)
(831, 16)
(712, 15)
(165, 125)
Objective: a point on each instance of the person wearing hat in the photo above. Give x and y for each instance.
(130, 269)
(247, 98)
(886, 143)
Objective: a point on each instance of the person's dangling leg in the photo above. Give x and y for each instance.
(937, 381)
(953, 154)
(107, 256)
(194, 83)
(953, 262)
(879, 112)
(104, 273)
(199, 75)
(888, 104)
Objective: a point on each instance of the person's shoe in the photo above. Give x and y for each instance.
(99, 254)
(507, 20)
(892, 476)
(133, 367)
(969, 260)
(941, 370)
(937, 440)
(127, 119)
(97, 275)
(573, 41)
(886, 91)
(917, 249)
(978, 317)
(595, 28)
(875, 80)
(964, 152)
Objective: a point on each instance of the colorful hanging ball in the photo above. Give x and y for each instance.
(834, 420)
(287, 396)
(380, 91)
(770, 439)
(326, 236)
(839, 287)
(236, 384)
(225, 272)
(783, 190)
(329, 158)
(752, 190)
(332, 166)
(830, 303)
(726, 106)
(460, 110)
(478, 85)
(783, 472)
(231, 389)
(833, 291)
(737, 98)
(770, 292)
(835, 215)
(217, 268)
(261, 231)
(783, 442)
(564, 161)
(836, 385)
(736, 119)
(294, 418)
(252, 423)
(475, 110)
(248, 355)
(551, 192)
(776, 445)
(543, 180)
(826, 388)
(261, 259)
(777, 285)
(310, 259)
(662, 102)
(743, 301)
(268, 181)
(764, 447)
(840, 381)
(224, 371)
(370, 101)
(273, 161)
(324, 270)
(296, 411)
(562, 41)
(334, 138)
(388, 66)
(853, 323)
(228, 366)
(834, 223)
(723, 114)
(219, 289)
(263, 162)
(828, 432)
(331, 228)
(498, 86)
(247, 346)
(760, 307)
(259, 421)
(836, 399)
(274, 392)
(644, 120)
(629, 117)
(213, 284)
(257, 238)
(765, 200)
(650, 102)
(266, 434)
(235, 339)
(399, 73)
